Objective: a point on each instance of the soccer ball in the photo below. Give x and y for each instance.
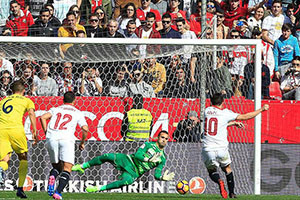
(182, 187)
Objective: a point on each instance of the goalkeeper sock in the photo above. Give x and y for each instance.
(54, 172)
(85, 165)
(63, 181)
(23, 167)
(230, 182)
(4, 165)
(102, 188)
(214, 177)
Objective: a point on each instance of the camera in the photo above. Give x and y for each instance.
(290, 70)
(240, 23)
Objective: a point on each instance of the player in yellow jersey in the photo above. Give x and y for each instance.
(12, 134)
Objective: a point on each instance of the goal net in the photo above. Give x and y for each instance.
(175, 77)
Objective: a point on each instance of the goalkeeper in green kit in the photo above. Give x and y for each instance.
(150, 155)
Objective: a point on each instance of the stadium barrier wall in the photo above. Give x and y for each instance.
(104, 116)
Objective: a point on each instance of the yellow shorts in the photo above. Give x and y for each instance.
(12, 140)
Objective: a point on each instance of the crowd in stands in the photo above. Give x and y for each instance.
(275, 22)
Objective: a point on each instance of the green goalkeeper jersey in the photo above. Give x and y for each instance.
(147, 150)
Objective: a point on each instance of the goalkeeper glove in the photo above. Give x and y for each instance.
(168, 176)
(155, 158)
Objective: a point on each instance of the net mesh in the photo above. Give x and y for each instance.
(168, 76)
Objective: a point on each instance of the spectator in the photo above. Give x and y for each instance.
(5, 64)
(233, 10)
(188, 130)
(129, 32)
(185, 34)
(5, 81)
(27, 77)
(120, 4)
(267, 52)
(28, 61)
(160, 5)
(291, 81)
(78, 20)
(34, 6)
(54, 21)
(66, 81)
(111, 31)
(175, 13)
(146, 31)
(291, 15)
(62, 7)
(168, 31)
(42, 26)
(154, 74)
(189, 6)
(89, 6)
(222, 30)
(93, 29)
(137, 122)
(195, 19)
(139, 86)
(118, 87)
(45, 85)
(102, 17)
(143, 11)
(19, 21)
(285, 49)
(271, 27)
(171, 72)
(181, 87)
(256, 19)
(129, 13)
(4, 13)
(69, 30)
(237, 61)
(90, 84)
(242, 26)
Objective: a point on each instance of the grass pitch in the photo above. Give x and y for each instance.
(133, 196)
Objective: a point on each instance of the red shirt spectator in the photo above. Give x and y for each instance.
(231, 15)
(195, 22)
(141, 15)
(19, 21)
(174, 16)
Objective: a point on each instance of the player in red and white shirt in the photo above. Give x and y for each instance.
(60, 141)
(215, 144)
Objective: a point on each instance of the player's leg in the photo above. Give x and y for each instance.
(5, 152)
(67, 157)
(125, 179)
(225, 161)
(99, 160)
(211, 163)
(63, 180)
(52, 148)
(19, 145)
(230, 180)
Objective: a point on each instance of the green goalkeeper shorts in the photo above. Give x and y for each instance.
(124, 163)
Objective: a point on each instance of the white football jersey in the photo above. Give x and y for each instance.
(63, 122)
(215, 128)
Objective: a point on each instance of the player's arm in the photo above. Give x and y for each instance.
(43, 121)
(166, 176)
(85, 131)
(253, 114)
(32, 118)
(141, 152)
(237, 124)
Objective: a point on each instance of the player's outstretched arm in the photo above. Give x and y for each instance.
(85, 131)
(237, 124)
(253, 114)
(32, 118)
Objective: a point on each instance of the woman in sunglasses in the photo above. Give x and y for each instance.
(128, 13)
(101, 16)
(74, 8)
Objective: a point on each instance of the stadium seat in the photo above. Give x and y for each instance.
(275, 91)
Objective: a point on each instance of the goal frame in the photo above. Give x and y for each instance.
(214, 42)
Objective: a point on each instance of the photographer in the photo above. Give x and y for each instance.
(90, 84)
(291, 80)
(188, 130)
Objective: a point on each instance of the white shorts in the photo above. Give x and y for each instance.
(63, 150)
(215, 158)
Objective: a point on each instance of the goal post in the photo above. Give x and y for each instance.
(168, 109)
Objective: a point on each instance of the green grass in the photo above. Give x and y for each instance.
(133, 196)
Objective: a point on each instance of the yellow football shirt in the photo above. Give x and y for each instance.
(12, 109)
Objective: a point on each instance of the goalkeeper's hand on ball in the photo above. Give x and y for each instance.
(168, 176)
(155, 158)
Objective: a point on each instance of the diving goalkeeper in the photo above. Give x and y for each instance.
(150, 155)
